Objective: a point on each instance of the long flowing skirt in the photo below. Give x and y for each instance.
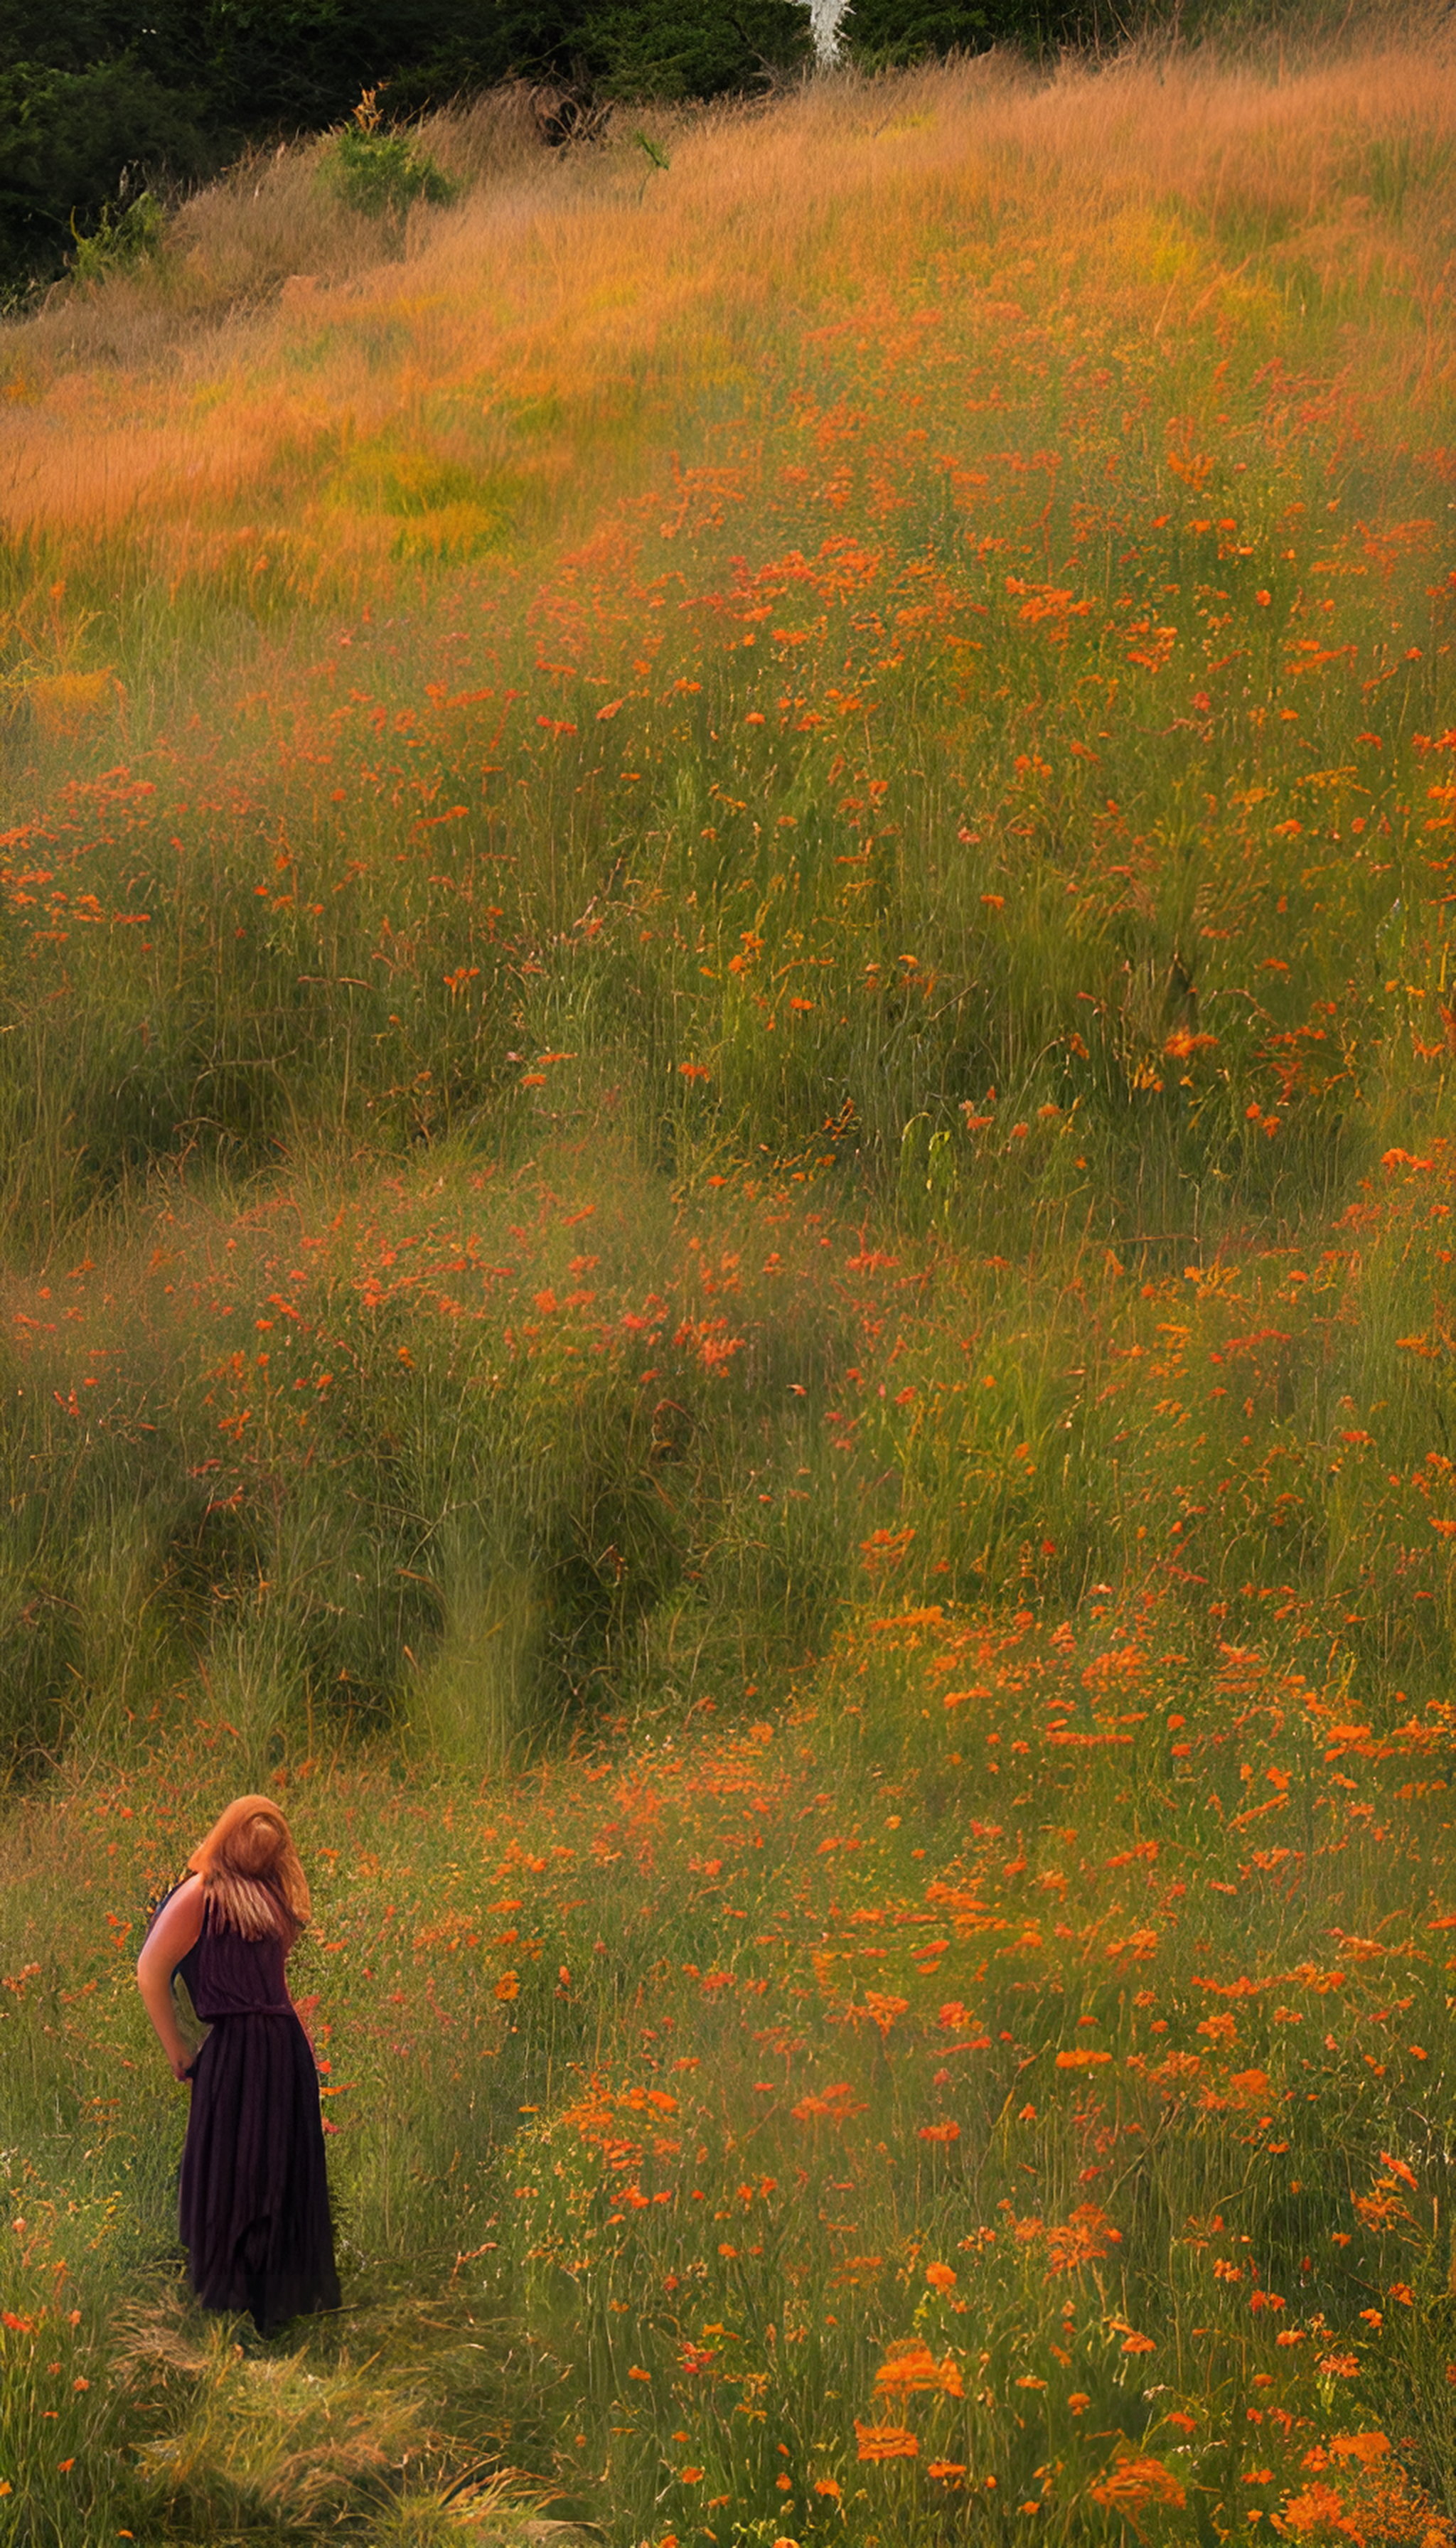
(254, 2194)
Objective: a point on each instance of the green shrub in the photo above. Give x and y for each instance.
(121, 239)
(381, 175)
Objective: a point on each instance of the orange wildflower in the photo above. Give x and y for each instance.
(885, 2442)
(1317, 2509)
(1087, 2234)
(835, 2101)
(1250, 2084)
(1367, 2449)
(884, 2009)
(913, 2367)
(1135, 2481)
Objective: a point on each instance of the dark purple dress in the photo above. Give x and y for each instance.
(254, 2207)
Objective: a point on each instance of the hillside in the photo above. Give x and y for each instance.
(727, 1012)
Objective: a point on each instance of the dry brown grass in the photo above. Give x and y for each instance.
(235, 245)
(273, 218)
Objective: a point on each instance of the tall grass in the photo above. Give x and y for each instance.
(725, 1101)
(992, 779)
(966, 2091)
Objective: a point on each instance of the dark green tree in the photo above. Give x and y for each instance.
(73, 140)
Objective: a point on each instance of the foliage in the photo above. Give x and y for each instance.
(663, 48)
(121, 239)
(381, 173)
(68, 139)
(886, 34)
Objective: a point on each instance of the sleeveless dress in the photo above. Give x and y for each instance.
(254, 2194)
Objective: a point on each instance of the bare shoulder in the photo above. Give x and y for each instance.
(177, 1926)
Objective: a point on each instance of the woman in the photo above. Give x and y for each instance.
(255, 2210)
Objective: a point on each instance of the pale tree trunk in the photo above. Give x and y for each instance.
(826, 17)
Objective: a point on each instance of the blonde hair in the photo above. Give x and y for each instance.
(250, 1871)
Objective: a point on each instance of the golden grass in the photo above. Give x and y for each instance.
(1178, 183)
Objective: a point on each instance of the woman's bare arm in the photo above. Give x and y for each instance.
(176, 1928)
(303, 2009)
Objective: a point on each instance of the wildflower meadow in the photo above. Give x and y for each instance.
(728, 1169)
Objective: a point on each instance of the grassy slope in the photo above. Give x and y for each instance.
(773, 835)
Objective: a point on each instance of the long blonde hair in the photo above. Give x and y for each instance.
(250, 1871)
